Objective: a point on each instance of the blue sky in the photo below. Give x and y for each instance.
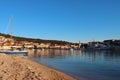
(69, 20)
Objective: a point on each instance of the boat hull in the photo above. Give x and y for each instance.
(25, 53)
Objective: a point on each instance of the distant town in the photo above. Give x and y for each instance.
(9, 42)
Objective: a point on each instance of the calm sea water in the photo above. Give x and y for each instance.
(83, 65)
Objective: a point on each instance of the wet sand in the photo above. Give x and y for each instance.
(20, 68)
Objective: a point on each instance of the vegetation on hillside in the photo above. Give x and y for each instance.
(34, 40)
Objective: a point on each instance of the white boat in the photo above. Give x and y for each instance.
(13, 51)
(25, 53)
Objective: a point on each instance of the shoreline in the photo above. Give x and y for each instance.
(56, 69)
(20, 68)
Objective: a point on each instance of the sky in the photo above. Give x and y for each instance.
(69, 20)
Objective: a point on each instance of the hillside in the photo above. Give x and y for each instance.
(17, 38)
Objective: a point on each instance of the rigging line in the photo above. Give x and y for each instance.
(6, 30)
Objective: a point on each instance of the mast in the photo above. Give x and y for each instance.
(11, 27)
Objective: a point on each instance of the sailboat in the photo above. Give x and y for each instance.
(12, 51)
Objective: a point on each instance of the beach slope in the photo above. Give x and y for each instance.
(20, 68)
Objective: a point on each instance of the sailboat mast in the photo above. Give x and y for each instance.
(11, 27)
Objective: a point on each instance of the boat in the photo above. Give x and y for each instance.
(24, 53)
(13, 51)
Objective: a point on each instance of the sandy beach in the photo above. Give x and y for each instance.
(20, 68)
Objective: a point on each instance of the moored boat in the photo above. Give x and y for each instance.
(10, 47)
(25, 53)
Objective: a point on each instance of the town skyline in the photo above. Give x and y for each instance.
(65, 20)
(15, 42)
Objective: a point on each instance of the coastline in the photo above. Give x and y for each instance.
(20, 68)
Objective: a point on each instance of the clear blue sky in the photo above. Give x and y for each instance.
(70, 20)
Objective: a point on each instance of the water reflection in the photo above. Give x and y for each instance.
(88, 55)
(48, 53)
(82, 64)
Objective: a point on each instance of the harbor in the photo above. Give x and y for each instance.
(81, 61)
(59, 40)
(79, 64)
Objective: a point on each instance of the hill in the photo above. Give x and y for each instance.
(17, 38)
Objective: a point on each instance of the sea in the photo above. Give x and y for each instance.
(81, 64)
